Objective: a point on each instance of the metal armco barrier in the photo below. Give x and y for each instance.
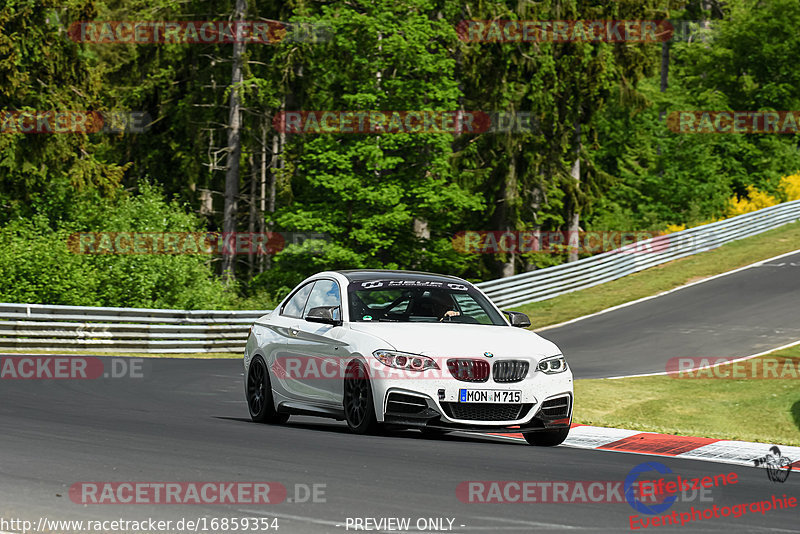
(93, 329)
(551, 282)
(77, 328)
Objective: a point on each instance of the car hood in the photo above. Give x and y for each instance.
(459, 340)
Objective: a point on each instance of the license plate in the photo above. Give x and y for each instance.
(489, 396)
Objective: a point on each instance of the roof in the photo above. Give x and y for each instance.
(358, 275)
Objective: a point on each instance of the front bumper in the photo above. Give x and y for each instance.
(546, 403)
(542, 420)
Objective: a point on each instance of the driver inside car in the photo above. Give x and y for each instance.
(436, 305)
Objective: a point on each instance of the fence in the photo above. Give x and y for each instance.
(95, 329)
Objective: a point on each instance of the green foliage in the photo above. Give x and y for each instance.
(37, 266)
(42, 70)
(661, 177)
(367, 191)
(386, 201)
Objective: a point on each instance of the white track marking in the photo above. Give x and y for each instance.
(727, 361)
(643, 299)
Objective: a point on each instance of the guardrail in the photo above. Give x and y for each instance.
(551, 282)
(142, 330)
(95, 329)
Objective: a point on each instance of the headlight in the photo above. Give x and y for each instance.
(552, 365)
(404, 360)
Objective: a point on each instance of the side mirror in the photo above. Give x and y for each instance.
(518, 319)
(324, 314)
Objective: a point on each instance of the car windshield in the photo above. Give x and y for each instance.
(423, 301)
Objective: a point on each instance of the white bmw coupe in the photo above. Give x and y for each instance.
(406, 349)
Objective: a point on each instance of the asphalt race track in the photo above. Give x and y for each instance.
(185, 420)
(744, 313)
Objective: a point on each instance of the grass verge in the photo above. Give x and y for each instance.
(761, 410)
(664, 277)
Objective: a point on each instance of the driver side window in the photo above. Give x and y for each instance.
(325, 293)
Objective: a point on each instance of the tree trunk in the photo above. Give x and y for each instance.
(233, 151)
(536, 197)
(664, 84)
(664, 77)
(275, 164)
(508, 208)
(262, 197)
(251, 226)
(575, 215)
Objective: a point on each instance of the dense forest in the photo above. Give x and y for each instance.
(195, 136)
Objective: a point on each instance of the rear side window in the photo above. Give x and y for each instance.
(294, 307)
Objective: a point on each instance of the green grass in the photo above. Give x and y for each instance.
(664, 277)
(761, 410)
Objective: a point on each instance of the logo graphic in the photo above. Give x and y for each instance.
(488, 354)
(778, 467)
(630, 482)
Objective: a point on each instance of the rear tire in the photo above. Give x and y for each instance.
(359, 408)
(547, 438)
(259, 395)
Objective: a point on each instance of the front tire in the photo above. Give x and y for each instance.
(547, 438)
(359, 408)
(259, 395)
